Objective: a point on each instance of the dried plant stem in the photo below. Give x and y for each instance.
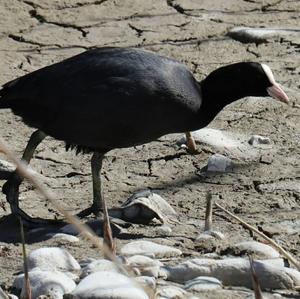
(271, 241)
(255, 282)
(208, 212)
(86, 232)
(191, 144)
(26, 275)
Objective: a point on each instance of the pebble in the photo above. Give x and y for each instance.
(257, 140)
(219, 163)
(259, 35)
(104, 285)
(235, 272)
(51, 283)
(257, 249)
(202, 283)
(63, 237)
(146, 281)
(144, 265)
(284, 227)
(142, 261)
(208, 240)
(277, 262)
(150, 249)
(213, 137)
(228, 143)
(164, 230)
(266, 158)
(52, 258)
(171, 292)
(98, 265)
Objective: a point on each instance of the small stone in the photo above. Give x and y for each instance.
(284, 227)
(260, 35)
(216, 234)
(142, 261)
(150, 249)
(150, 271)
(52, 258)
(144, 265)
(146, 281)
(104, 284)
(63, 237)
(206, 242)
(266, 158)
(256, 140)
(202, 283)
(171, 292)
(164, 230)
(219, 163)
(257, 249)
(276, 262)
(235, 272)
(98, 265)
(213, 137)
(52, 283)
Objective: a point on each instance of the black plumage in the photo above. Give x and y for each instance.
(120, 97)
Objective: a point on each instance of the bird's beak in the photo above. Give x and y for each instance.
(276, 92)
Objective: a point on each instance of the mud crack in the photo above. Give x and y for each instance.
(165, 158)
(176, 6)
(34, 14)
(75, 5)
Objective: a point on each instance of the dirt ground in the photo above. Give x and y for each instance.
(263, 192)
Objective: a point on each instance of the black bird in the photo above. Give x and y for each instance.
(110, 98)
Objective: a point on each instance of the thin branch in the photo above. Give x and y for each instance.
(85, 230)
(255, 281)
(26, 275)
(271, 241)
(208, 212)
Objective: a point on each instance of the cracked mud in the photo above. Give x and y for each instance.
(265, 194)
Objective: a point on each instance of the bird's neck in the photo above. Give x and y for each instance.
(215, 99)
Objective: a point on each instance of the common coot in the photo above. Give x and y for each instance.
(109, 98)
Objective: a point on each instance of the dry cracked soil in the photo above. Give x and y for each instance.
(264, 191)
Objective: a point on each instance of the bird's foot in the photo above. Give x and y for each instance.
(90, 210)
(191, 144)
(31, 222)
(12, 184)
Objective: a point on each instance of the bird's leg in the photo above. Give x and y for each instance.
(97, 206)
(191, 144)
(11, 187)
(99, 202)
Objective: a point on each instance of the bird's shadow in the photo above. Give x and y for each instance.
(10, 230)
(10, 225)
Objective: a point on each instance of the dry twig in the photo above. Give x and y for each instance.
(85, 230)
(255, 282)
(271, 241)
(26, 275)
(208, 212)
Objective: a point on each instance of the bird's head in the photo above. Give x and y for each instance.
(235, 81)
